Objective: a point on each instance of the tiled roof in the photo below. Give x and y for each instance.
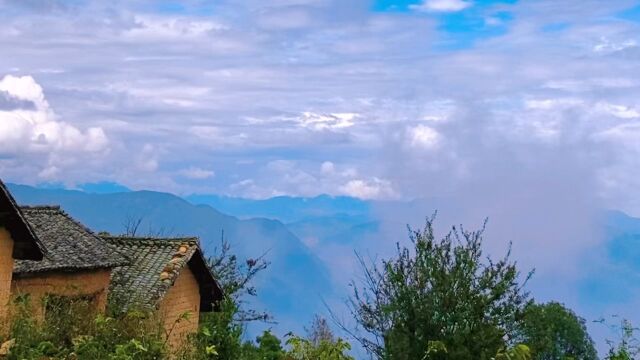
(69, 245)
(26, 243)
(155, 265)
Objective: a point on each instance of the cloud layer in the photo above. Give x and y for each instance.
(165, 92)
(30, 128)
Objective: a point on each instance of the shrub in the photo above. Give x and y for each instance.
(72, 329)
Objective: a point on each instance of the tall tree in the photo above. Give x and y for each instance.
(554, 332)
(438, 291)
(320, 331)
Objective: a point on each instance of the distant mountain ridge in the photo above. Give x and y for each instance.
(291, 288)
(286, 208)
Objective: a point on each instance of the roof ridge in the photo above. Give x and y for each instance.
(61, 211)
(40, 207)
(151, 239)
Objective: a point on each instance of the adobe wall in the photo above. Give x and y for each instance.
(82, 283)
(6, 269)
(183, 296)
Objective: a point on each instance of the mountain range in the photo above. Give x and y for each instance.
(309, 243)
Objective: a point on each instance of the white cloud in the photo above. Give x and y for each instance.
(442, 5)
(550, 104)
(439, 110)
(423, 137)
(197, 173)
(619, 111)
(147, 159)
(49, 173)
(285, 19)
(334, 121)
(627, 134)
(36, 128)
(327, 168)
(160, 28)
(281, 166)
(607, 46)
(589, 84)
(373, 188)
(216, 136)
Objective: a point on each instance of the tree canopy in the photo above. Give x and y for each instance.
(441, 290)
(554, 332)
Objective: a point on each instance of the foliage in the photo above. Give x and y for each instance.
(219, 337)
(70, 330)
(435, 350)
(320, 331)
(236, 279)
(320, 344)
(305, 349)
(437, 290)
(518, 352)
(269, 347)
(554, 332)
(627, 346)
(438, 350)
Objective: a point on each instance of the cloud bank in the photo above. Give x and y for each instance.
(167, 90)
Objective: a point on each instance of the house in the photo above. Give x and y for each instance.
(18, 241)
(170, 275)
(78, 263)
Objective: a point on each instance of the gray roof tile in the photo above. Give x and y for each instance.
(69, 245)
(154, 267)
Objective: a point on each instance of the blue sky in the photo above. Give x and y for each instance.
(460, 23)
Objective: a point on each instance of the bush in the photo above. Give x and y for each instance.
(72, 329)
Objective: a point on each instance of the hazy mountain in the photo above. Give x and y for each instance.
(286, 208)
(291, 289)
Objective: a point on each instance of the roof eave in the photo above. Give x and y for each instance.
(41, 271)
(26, 246)
(210, 290)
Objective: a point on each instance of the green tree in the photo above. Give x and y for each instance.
(269, 347)
(438, 290)
(554, 332)
(305, 349)
(518, 352)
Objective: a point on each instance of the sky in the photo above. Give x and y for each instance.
(377, 99)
